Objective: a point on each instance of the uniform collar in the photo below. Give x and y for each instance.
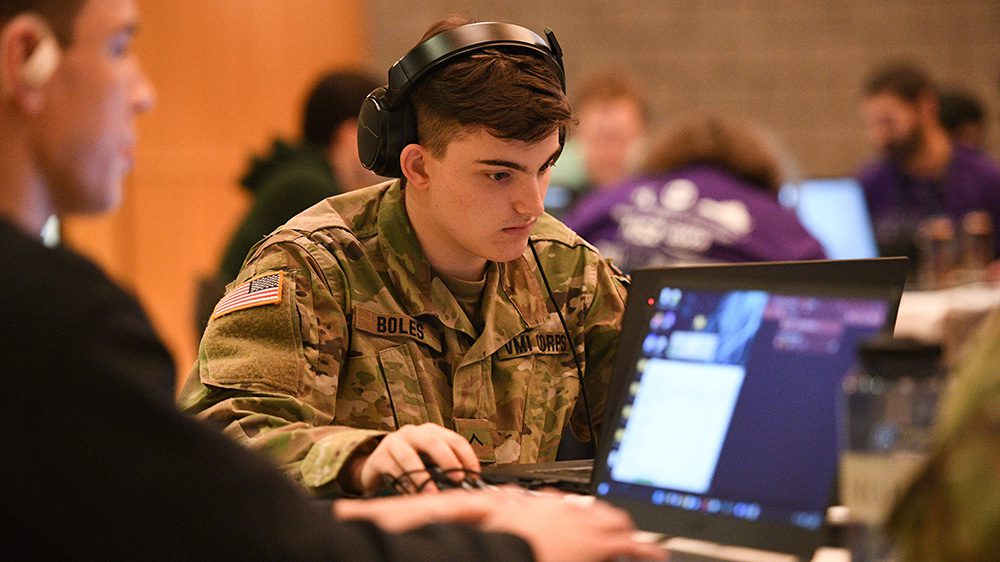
(513, 298)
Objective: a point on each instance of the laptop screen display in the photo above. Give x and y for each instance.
(731, 406)
(834, 211)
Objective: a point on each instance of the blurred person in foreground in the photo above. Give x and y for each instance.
(952, 510)
(98, 462)
(708, 192)
(920, 171)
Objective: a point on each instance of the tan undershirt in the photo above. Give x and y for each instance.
(469, 295)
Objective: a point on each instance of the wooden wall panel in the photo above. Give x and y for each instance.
(230, 75)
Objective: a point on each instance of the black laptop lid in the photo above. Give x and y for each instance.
(723, 422)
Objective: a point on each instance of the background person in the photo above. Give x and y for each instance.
(963, 117)
(920, 171)
(609, 140)
(296, 176)
(708, 191)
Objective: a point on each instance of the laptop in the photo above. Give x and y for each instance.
(722, 421)
(844, 234)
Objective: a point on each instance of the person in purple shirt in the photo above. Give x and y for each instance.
(921, 172)
(708, 191)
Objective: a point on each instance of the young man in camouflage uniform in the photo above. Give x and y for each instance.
(413, 316)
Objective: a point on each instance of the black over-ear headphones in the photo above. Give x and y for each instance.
(386, 123)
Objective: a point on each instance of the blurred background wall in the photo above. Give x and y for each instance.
(231, 74)
(795, 65)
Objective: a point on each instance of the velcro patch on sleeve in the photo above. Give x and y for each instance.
(258, 291)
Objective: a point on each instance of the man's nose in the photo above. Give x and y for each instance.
(531, 197)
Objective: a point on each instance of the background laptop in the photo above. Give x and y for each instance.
(722, 422)
(834, 211)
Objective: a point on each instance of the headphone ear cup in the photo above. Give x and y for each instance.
(400, 131)
(42, 63)
(372, 131)
(382, 134)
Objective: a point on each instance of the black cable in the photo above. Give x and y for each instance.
(570, 343)
(405, 483)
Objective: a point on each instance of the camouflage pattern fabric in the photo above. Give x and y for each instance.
(952, 511)
(367, 339)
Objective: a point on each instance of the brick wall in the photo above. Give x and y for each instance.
(795, 65)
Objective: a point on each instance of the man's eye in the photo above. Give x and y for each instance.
(498, 176)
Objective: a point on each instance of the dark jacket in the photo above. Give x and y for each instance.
(290, 179)
(98, 463)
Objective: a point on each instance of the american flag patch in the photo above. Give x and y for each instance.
(255, 292)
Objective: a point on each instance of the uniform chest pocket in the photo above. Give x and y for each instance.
(401, 378)
(552, 392)
(396, 387)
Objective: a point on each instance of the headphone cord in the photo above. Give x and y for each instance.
(570, 343)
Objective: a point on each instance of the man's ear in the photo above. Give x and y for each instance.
(413, 161)
(29, 56)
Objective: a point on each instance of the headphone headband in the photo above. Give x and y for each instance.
(386, 123)
(458, 41)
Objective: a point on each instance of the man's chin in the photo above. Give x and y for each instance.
(511, 253)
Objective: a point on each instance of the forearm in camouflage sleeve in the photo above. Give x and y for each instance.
(269, 374)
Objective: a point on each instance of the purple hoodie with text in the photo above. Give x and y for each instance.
(696, 214)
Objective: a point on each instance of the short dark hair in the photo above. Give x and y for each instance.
(511, 96)
(60, 14)
(956, 107)
(904, 79)
(335, 98)
(738, 147)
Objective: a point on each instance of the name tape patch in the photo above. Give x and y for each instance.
(385, 324)
(535, 343)
(259, 291)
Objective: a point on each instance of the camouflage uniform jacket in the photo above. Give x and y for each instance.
(952, 511)
(366, 339)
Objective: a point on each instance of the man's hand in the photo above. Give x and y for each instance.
(399, 452)
(556, 529)
(401, 513)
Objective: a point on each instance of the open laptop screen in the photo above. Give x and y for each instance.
(834, 211)
(727, 406)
